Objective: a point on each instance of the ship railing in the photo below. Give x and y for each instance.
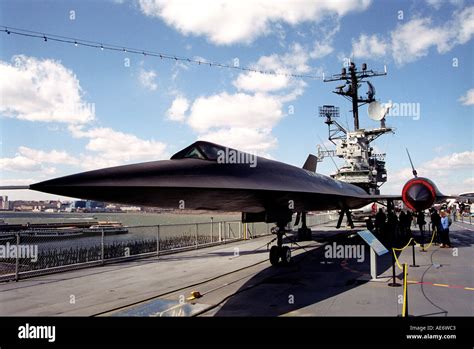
(25, 255)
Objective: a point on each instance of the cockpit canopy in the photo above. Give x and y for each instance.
(200, 150)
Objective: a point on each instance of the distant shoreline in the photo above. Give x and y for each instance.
(185, 212)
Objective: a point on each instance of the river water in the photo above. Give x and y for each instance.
(128, 219)
(171, 225)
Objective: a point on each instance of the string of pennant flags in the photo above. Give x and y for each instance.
(163, 56)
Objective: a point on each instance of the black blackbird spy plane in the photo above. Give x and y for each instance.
(266, 190)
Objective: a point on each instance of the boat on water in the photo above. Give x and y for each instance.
(107, 227)
(8, 232)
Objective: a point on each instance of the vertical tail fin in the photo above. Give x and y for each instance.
(310, 163)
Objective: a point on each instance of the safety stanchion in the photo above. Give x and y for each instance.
(404, 268)
(405, 291)
(411, 242)
(413, 254)
(394, 282)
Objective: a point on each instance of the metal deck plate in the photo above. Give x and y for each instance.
(163, 307)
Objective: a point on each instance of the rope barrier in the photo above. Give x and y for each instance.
(404, 247)
(408, 244)
(432, 238)
(405, 269)
(396, 260)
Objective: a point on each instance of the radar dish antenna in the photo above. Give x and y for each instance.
(377, 111)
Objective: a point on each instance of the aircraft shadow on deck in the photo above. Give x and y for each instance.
(306, 279)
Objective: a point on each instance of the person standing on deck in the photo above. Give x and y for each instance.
(444, 225)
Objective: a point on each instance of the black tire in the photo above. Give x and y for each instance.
(301, 236)
(285, 255)
(309, 234)
(274, 255)
(304, 234)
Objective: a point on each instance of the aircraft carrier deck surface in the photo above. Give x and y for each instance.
(237, 280)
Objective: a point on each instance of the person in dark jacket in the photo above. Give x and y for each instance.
(402, 217)
(409, 219)
(380, 219)
(369, 224)
(435, 224)
(420, 220)
(391, 228)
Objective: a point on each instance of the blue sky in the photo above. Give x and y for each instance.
(151, 108)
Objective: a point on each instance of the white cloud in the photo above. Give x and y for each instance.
(469, 181)
(239, 120)
(468, 98)
(324, 46)
(228, 21)
(245, 119)
(178, 109)
(463, 25)
(293, 62)
(256, 141)
(296, 60)
(454, 161)
(105, 147)
(321, 49)
(367, 46)
(42, 90)
(147, 79)
(113, 148)
(258, 82)
(438, 3)
(414, 39)
(32, 160)
(235, 110)
(20, 163)
(52, 157)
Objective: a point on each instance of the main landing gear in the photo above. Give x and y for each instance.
(304, 233)
(279, 252)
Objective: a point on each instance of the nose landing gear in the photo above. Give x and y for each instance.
(279, 252)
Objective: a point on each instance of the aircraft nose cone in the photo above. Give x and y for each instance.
(418, 195)
(166, 183)
(418, 192)
(112, 183)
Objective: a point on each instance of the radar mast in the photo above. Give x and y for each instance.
(363, 166)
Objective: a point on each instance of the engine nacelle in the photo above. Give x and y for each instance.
(419, 194)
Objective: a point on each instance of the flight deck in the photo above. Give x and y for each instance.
(237, 279)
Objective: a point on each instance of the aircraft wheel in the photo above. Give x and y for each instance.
(309, 234)
(301, 234)
(274, 255)
(304, 234)
(285, 255)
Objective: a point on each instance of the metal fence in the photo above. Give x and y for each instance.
(466, 218)
(32, 253)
